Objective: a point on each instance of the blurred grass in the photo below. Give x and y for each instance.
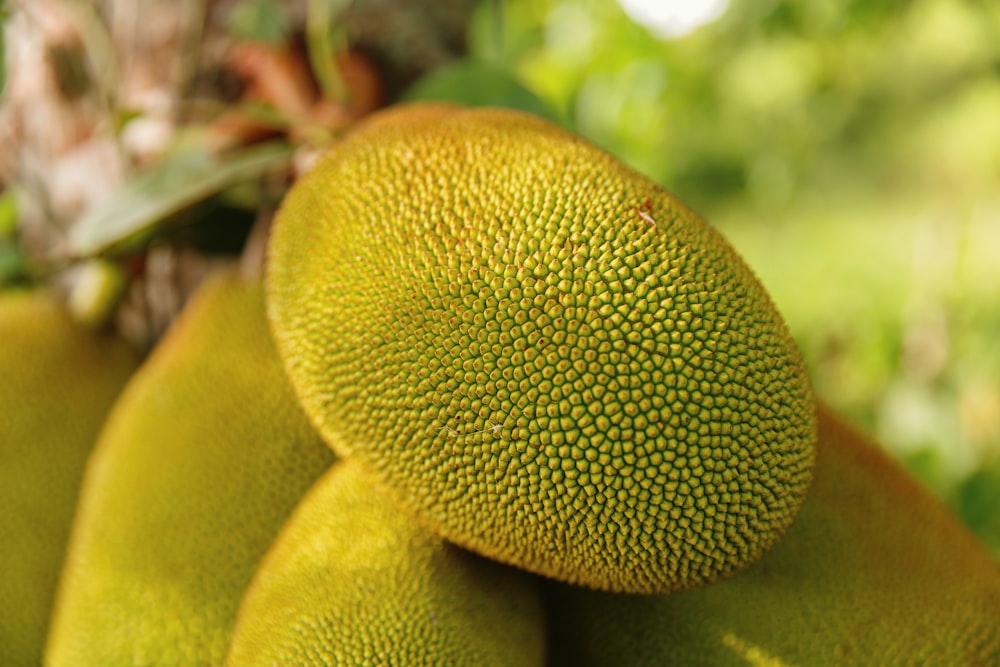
(851, 151)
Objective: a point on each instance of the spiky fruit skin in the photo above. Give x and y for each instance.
(57, 383)
(352, 581)
(547, 358)
(873, 572)
(203, 458)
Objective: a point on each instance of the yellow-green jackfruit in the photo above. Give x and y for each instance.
(203, 457)
(547, 358)
(352, 581)
(57, 383)
(873, 572)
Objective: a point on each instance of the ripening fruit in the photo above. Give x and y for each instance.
(202, 460)
(57, 383)
(873, 572)
(546, 357)
(352, 581)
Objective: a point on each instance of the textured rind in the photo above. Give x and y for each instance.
(545, 356)
(57, 383)
(874, 571)
(352, 581)
(203, 458)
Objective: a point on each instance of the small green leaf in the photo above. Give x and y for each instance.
(8, 213)
(178, 181)
(259, 21)
(13, 264)
(478, 84)
(979, 505)
(14, 267)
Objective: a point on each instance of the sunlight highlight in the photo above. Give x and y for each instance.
(673, 18)
(754, 655)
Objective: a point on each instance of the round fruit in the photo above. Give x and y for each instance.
(546, 357)
(351, 581)
(58, 380)
(874, 571)
(202, 459)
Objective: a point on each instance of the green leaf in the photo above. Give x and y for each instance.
(177, 182)
(8, 213)
(259, 21)
(478, 84)
(13, 264)
(979, 505)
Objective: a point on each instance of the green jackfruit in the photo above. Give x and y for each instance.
(57, 383)
(546, 357)
(352, 581)
(873, 572)
(202, 460)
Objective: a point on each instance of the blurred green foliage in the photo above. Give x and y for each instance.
(260, 20)
(851, 151)
(478, 84)
(13, 265)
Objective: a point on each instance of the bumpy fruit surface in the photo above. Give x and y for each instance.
(546, 357)
(873, 572)
(57, 383)
(352, 581)
(203, 458)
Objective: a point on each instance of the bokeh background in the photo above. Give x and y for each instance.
(851, 152)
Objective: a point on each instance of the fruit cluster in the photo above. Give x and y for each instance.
(499, 401)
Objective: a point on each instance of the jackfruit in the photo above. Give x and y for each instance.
(57, 383)
(202, 460)
(352, 581)
(874, 571)
(545, 356)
